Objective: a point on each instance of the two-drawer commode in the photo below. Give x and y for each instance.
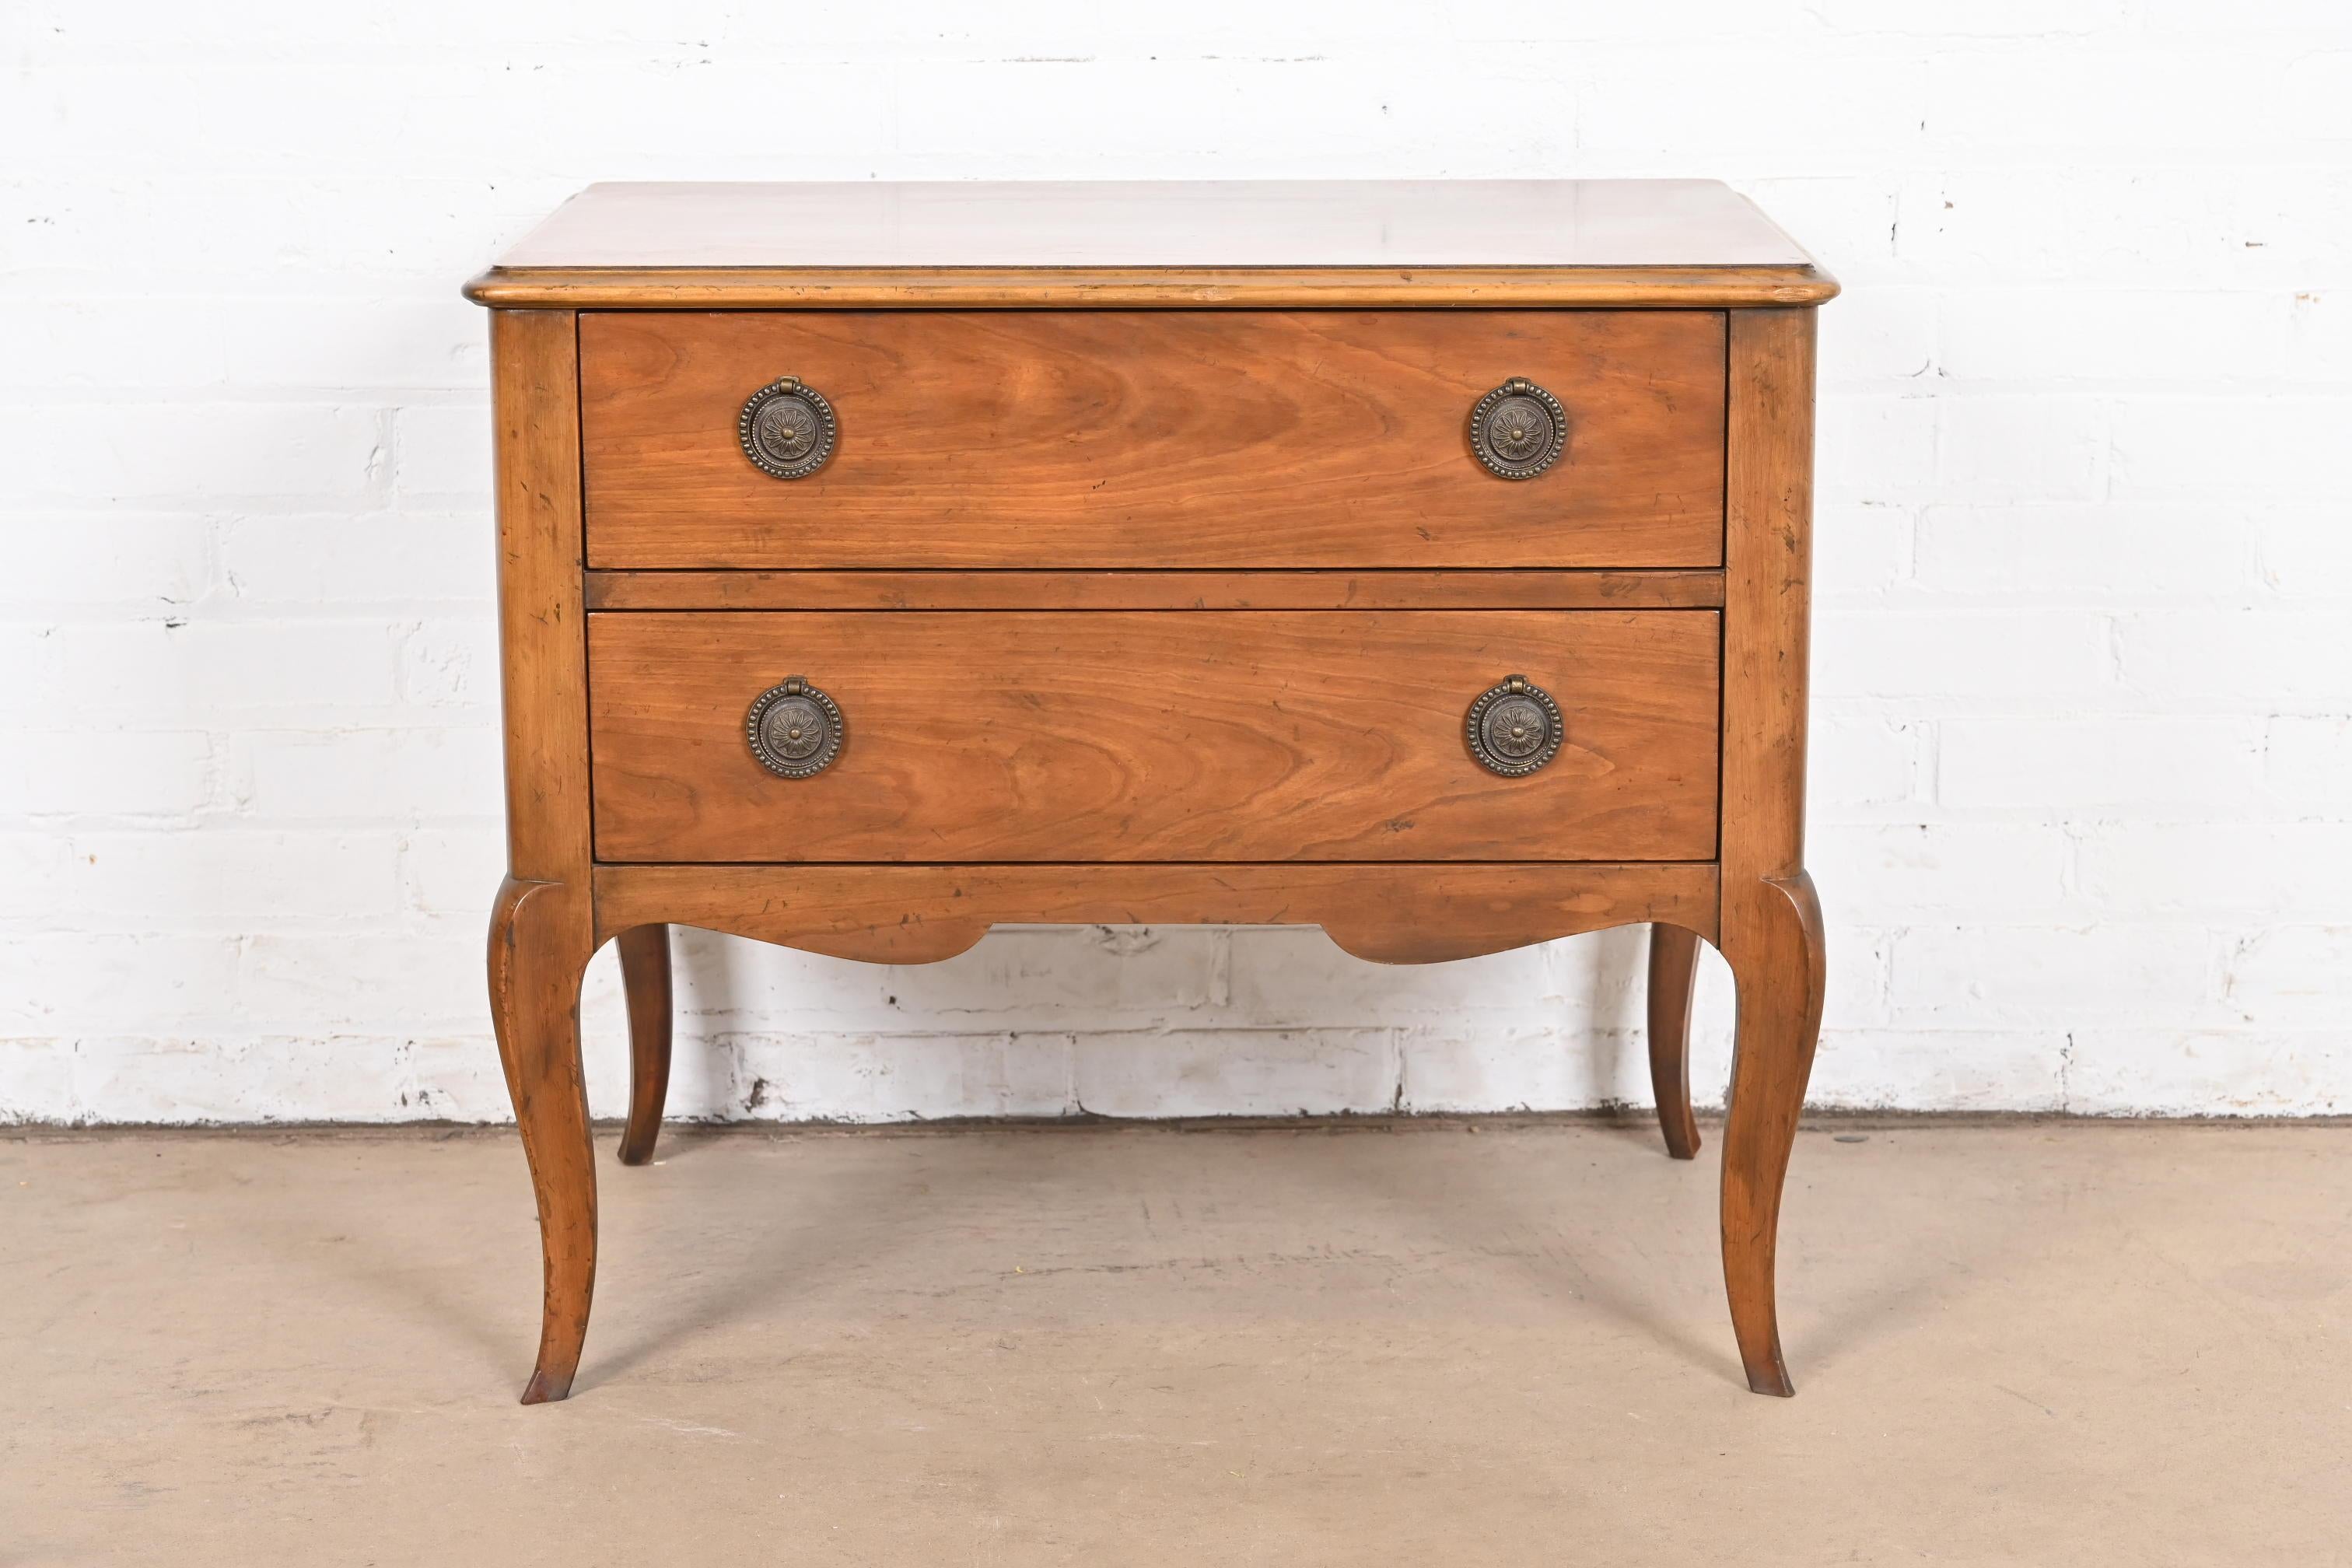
(1427, 562)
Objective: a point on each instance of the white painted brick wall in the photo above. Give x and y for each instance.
(2083, 760)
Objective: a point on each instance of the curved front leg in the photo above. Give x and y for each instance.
(645, 983)
(539, 945)
(1772, 936)
(1673, 976)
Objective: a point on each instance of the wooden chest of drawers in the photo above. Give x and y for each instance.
(1424, 561)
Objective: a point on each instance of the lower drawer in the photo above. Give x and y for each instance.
(1113, 735)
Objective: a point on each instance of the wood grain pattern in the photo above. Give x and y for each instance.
(542, 625)
(645, 986)
(1771, 930)
(1768, 592)
(1101, 244)
(1119, 439)
(1384, 913)
(1673, 979)
(1252, 735)
(1157, 225)
(1667, 590)
(541, 921)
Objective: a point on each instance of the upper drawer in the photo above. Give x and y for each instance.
(1138, 440)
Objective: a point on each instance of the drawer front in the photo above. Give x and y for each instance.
(1117, 735)
(1168, 438)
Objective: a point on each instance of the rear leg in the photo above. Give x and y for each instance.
(646, 982)
(1673, 976)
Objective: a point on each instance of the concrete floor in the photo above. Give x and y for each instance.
(2013, 1342)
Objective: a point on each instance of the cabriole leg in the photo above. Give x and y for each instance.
(1773, 938)
(538, 949)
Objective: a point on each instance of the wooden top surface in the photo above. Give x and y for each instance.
(1482, 242)
(1272, 223)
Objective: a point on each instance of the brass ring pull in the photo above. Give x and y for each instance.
(1514, 728)
(794, 729)
(1518, 429)
(787, 429)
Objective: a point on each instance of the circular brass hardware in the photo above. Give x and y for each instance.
(1514, 728)
(787, 429)
(1518, 429)
(795, 729)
